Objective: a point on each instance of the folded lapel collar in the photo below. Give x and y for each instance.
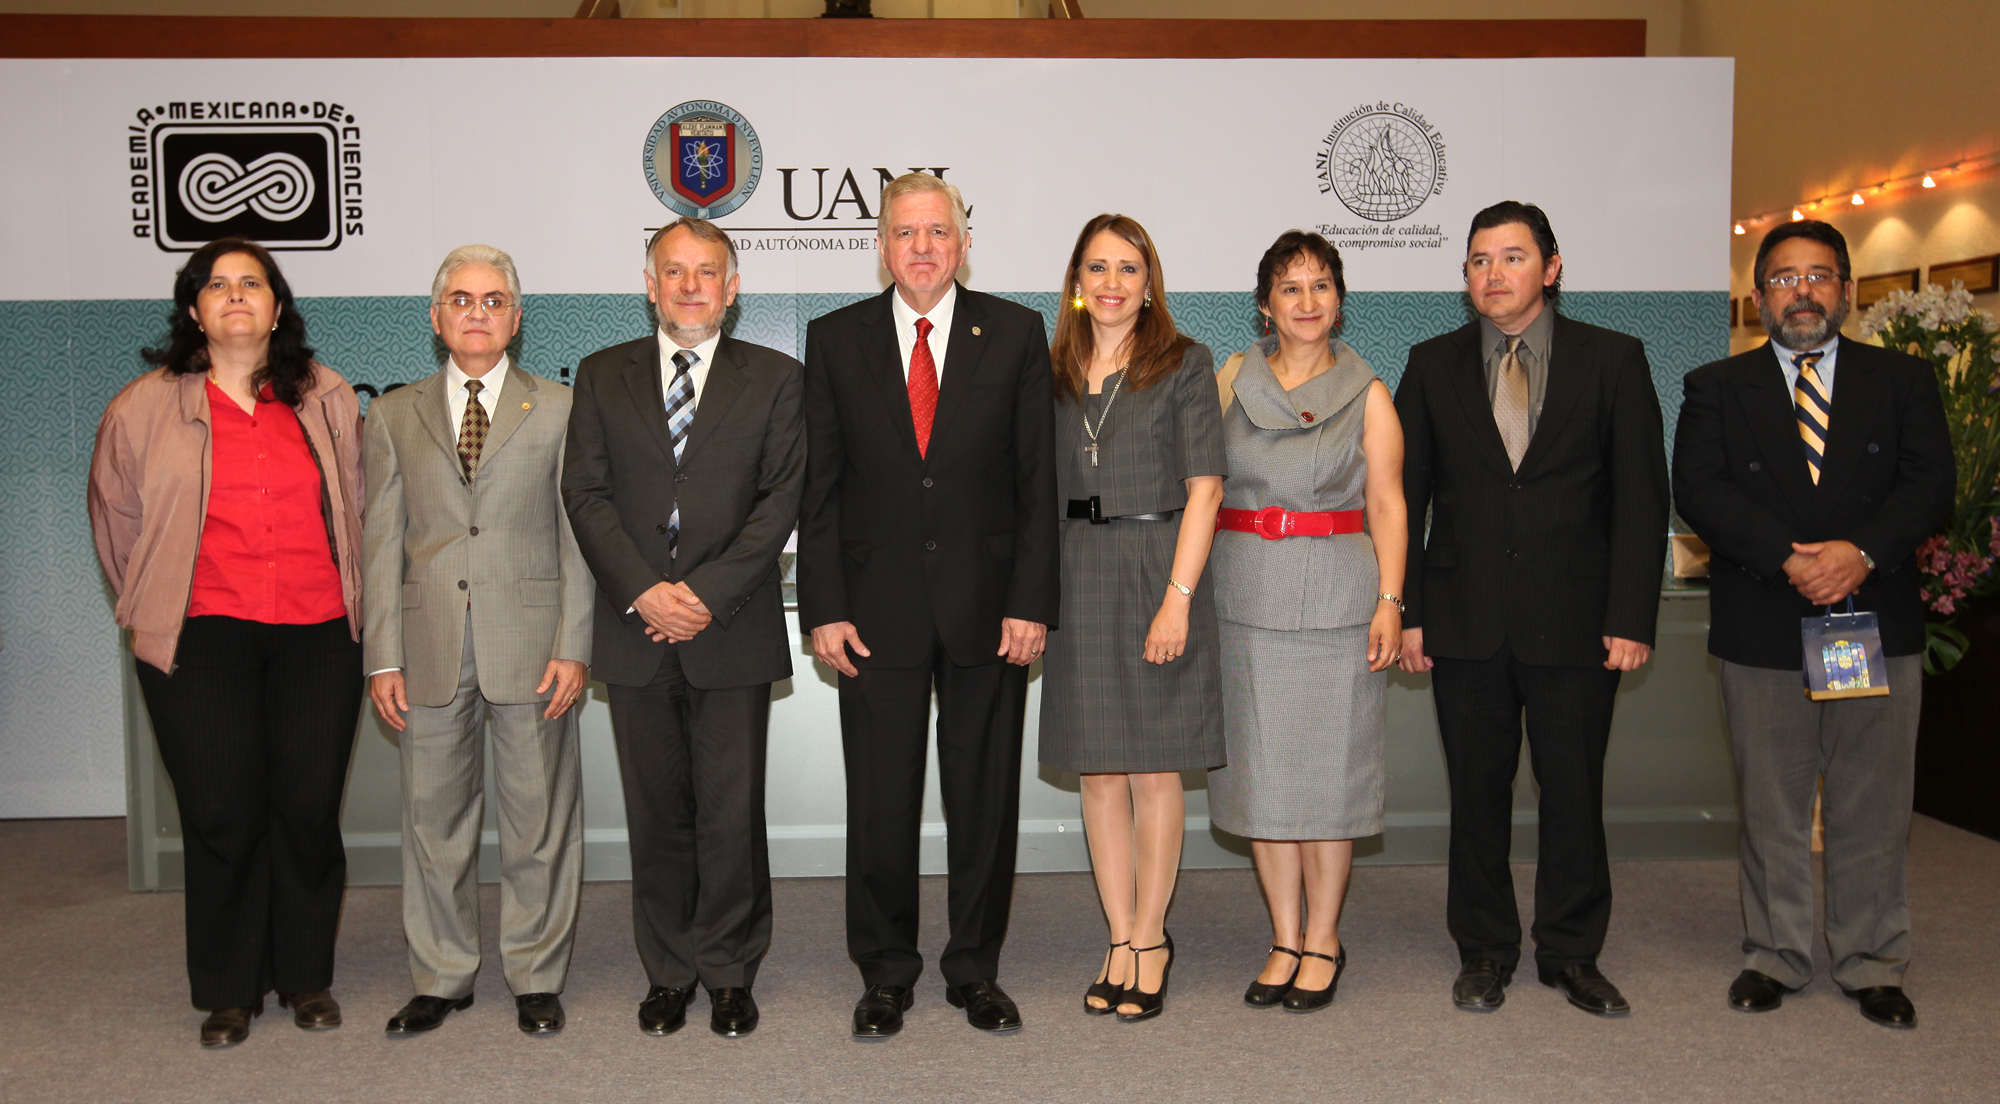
(434, 413)
(642, 382)
(517, 398)
(1569, 359)
(882, 358)
(1767, 404)
(1467, 379)
(963, 351)
(719, 390)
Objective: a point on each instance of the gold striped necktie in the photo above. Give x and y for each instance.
(1809, 398)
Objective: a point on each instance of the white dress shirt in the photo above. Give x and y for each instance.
(906, 328)
(1824, 369)
(489, 392)
(699, 373)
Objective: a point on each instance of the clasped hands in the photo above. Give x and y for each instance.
(672, 612)
(1827, 571)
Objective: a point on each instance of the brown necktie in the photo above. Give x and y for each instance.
(472, 429)
(1510, 403)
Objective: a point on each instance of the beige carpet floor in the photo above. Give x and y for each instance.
(98, 1008)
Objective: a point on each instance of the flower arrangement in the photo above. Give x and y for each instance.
(1963, 345)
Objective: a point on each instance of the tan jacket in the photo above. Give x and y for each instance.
(149, 482)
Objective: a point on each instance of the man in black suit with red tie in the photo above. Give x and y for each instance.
(927, 558)
(1535, 442)
(1813, 467)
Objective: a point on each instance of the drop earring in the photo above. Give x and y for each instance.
(1078, 301)
(1149, 297)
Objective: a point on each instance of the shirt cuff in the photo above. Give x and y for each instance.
(383, 671)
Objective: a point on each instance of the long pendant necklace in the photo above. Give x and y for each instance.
(1102, 416)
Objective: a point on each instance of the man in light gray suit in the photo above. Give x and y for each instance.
(478, 610)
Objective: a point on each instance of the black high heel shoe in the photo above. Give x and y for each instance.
(1102, 989)
(1312, 1000)
(1260, 995)
(1149, 1004)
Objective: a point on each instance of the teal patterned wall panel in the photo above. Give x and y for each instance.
(61, 751)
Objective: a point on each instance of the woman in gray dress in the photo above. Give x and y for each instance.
(1131, 690)
(1308, 573)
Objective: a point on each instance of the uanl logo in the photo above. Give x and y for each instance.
(283, 173)
(1382, 161)
(703, 159)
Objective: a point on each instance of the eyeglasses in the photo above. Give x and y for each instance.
(464, 304)
(1811, 279)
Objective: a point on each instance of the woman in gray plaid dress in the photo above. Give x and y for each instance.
(1131, 687)
(1310, 609)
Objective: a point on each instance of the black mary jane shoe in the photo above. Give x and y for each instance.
(1312, 1000)
(1103, 989)
(1260, 995)
(1149, 1004)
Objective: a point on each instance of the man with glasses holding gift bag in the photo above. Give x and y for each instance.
(478, 610)
(1813, 467)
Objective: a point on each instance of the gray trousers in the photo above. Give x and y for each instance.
(536, 772)
(1865, 750)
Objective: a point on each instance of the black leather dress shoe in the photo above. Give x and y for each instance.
(732, 1013)
(1481, 985)
(1755, 991)
(539, 1013)
(425, 1014)
(229, 1026)
(1886, 1005)
(1589, 990)
(312, 1011)
(664, 1011)
(987, 1006)
(879, 1012)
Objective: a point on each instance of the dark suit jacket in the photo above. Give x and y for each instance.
(911, 548)
(1566, 551)
(738, 486)
(1740, 480)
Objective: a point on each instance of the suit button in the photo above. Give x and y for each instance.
(1513, 555)
(1756, 466)
(1873, 447)
(475, 530)
(461, 584)
(1513, 486)
(682, 478)
(930, 546)
(659, 528)
(927, 481)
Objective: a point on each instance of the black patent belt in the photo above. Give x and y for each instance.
(1092, 510)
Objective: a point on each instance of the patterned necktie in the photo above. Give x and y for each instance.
(923, 387)
(1510, 403)
(680, 415)
(472, 429)
(1809, 397)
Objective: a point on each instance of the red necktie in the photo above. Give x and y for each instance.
(923, 387)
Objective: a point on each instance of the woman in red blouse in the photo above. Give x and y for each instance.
(225, 497)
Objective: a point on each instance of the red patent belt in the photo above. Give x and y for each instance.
(1276, 522)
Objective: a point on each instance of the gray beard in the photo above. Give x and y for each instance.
(1803, 326)
(687, 338)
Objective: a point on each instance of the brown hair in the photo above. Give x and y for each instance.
(1156, 346)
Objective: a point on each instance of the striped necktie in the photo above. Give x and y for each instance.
(1809, 397)
(680, 415)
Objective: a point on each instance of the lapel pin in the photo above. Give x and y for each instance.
(1306, 414)
(975, 331)
(525, 406)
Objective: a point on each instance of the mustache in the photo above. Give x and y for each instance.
(1805, 306)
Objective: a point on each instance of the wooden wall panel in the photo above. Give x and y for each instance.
(80, 36)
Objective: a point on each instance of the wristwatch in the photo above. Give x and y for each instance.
(1186, 591)
(1866, 560)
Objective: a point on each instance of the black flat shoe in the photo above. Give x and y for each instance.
(425, 1014)
(1481, 985)
(987, 1006)
(225, 1027)
(1312, 1000)
(732, 1012)
(1755, 991)
(1589, 990)
(1886, 1005)
(1148, 1004)
(1103, 989)
(664, 1011)
(1260, 995)
(879, 1012)
(539, 1013)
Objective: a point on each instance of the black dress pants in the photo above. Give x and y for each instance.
(692, 765)
(884, 714)
(255, 727)
(1479, 706)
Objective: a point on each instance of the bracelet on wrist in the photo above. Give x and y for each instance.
(1186, 591)
(1392, 599)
